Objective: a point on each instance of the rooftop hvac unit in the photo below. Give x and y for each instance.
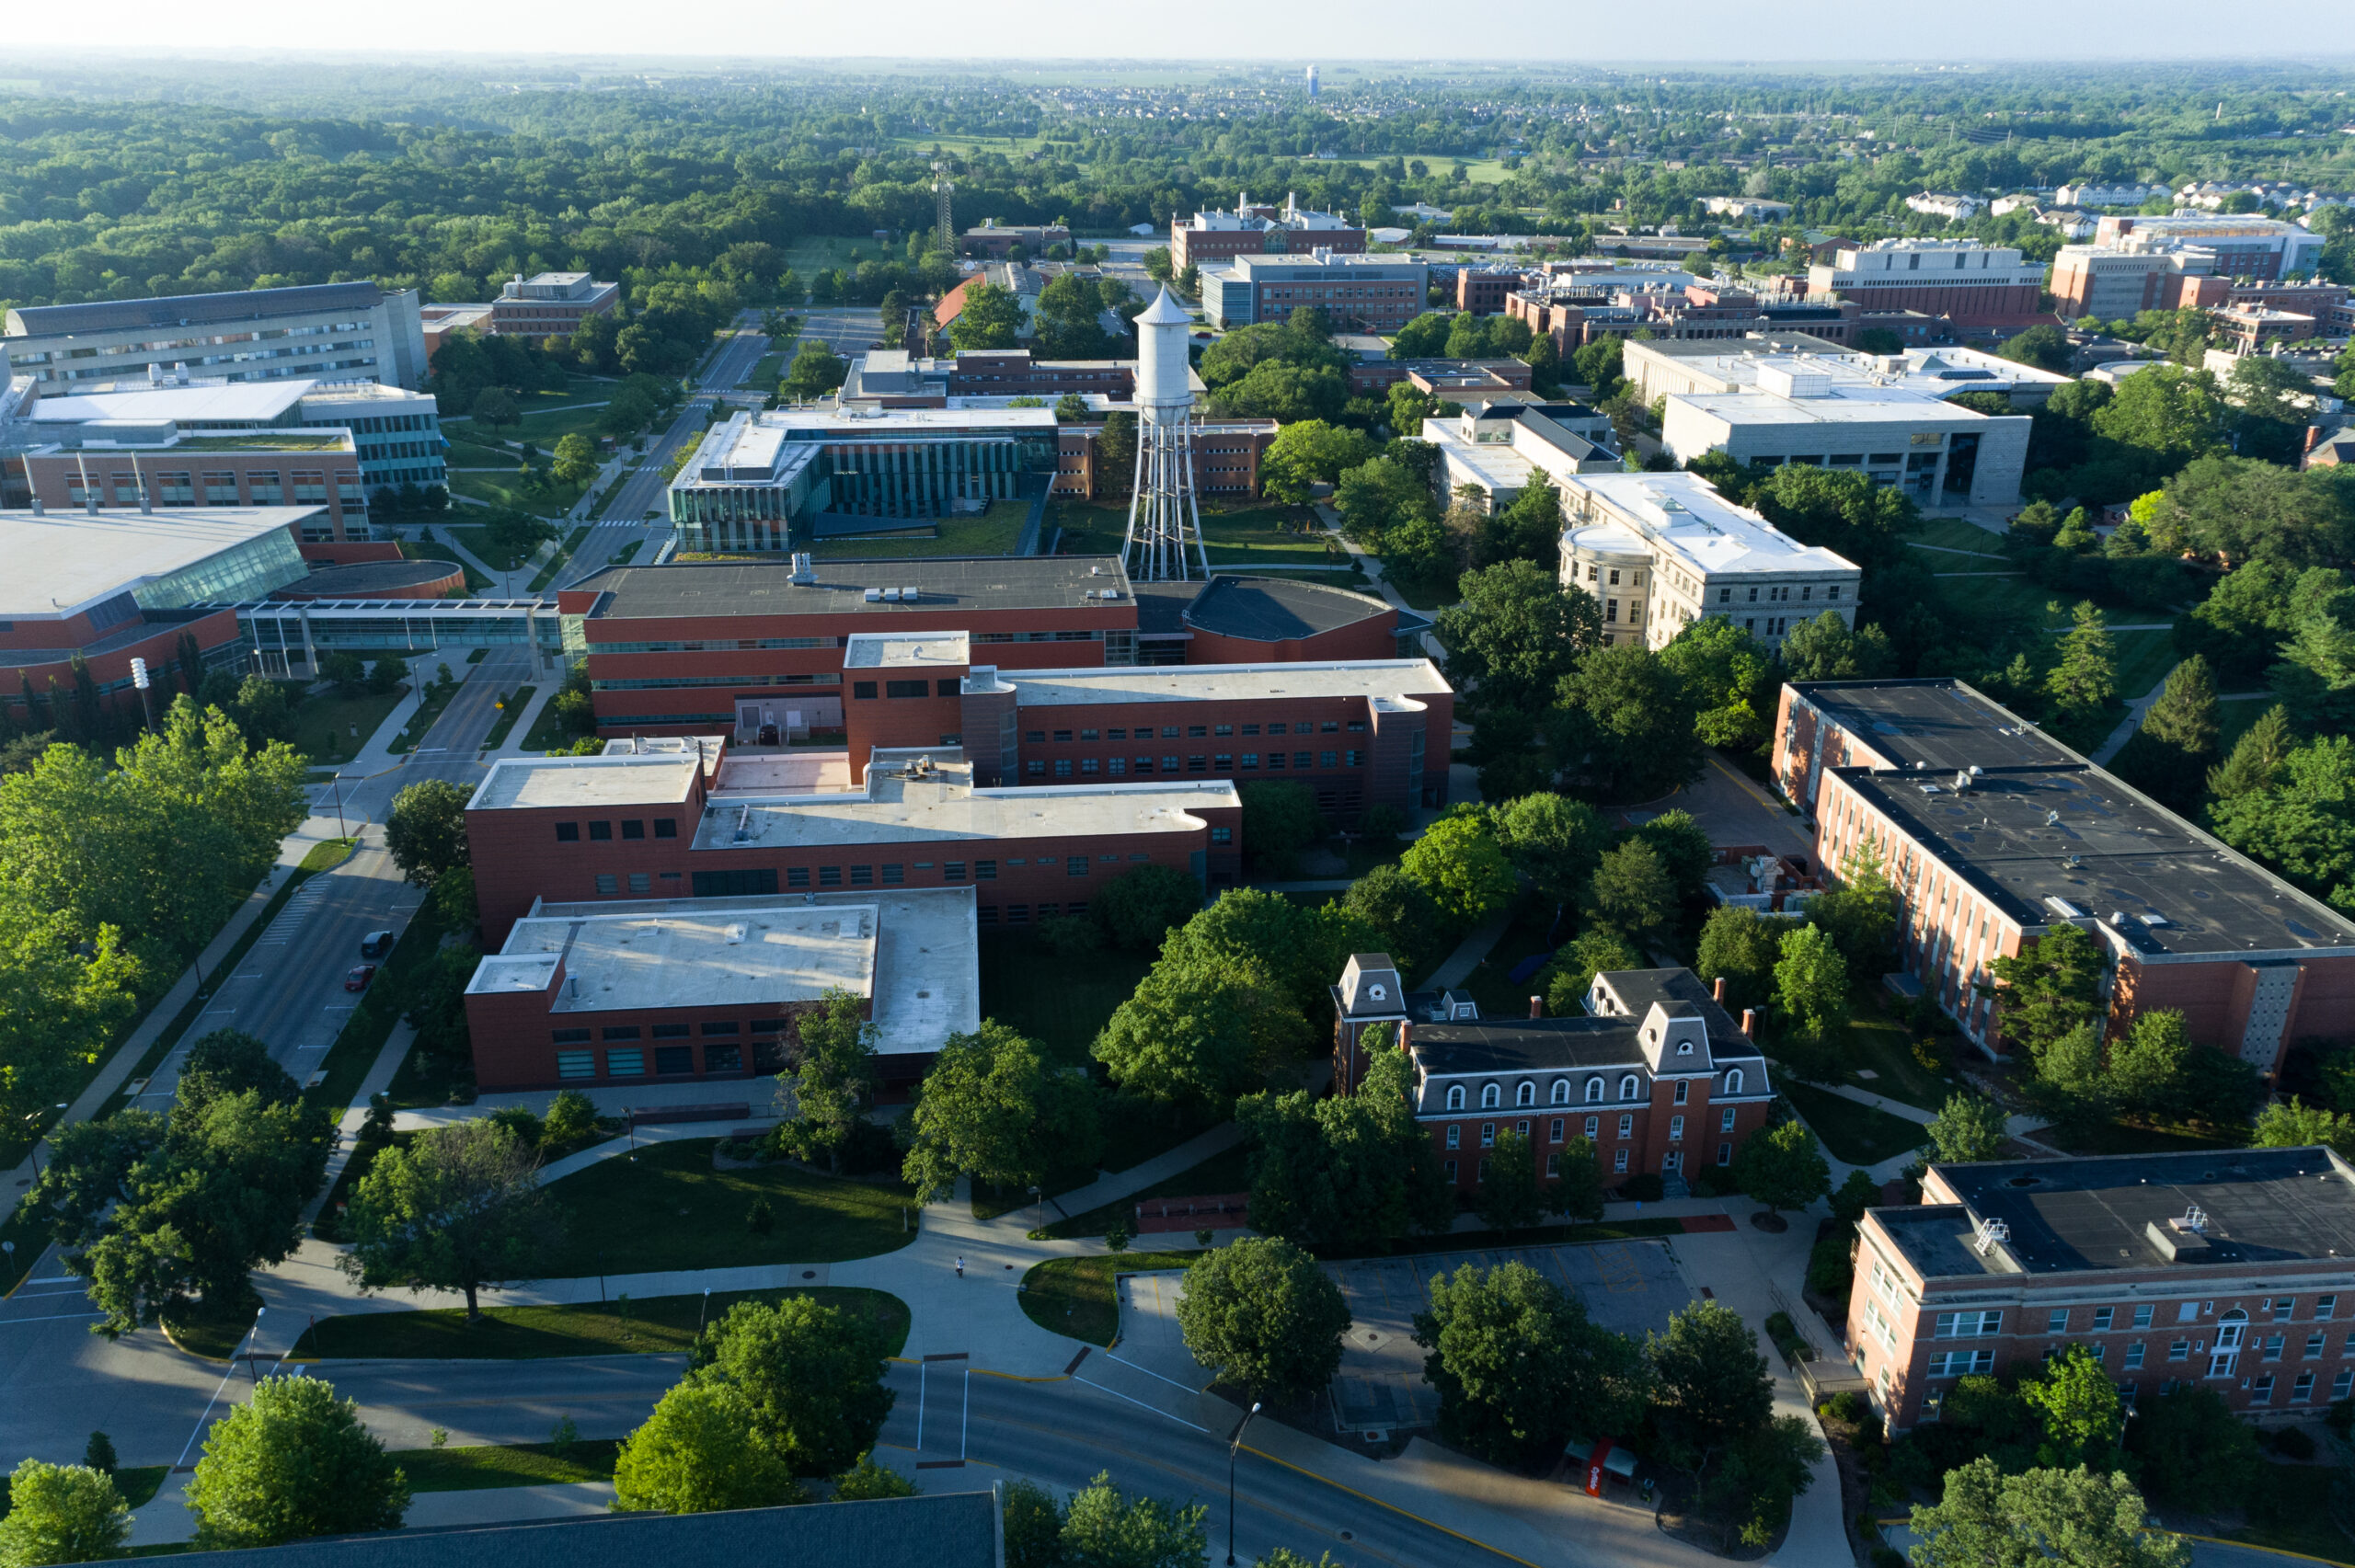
(872, 595)
(805, 570)
(909, 595)
(889, 595)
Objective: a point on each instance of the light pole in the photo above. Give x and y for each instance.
(341, 831)
(139, 679)
(1234, 1447)
(33, 1121)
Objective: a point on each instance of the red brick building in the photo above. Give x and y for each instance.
(1226, 458)
(686, 820)
(550, 304)
(700, 647)
(1214, 238)
(1656, 1075)
(1993, 834)
(1482, 289)
(2224, 1270)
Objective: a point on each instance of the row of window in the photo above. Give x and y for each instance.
(1630, 1088)
(669, 1061)
(1619, 1162)
(1593, 1128)
(2101, 1320)
(1196, 731)
(1224, 762)
(745, 882)
(863, 691)
(632, 827)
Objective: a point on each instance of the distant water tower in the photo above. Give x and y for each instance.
(1311, 81)
(1164, 539)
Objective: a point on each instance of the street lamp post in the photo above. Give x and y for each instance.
(33, 1121)
(1235, 1447)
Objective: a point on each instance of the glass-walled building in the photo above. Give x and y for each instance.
(757, 480)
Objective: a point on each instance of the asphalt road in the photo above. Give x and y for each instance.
(1066, 1433)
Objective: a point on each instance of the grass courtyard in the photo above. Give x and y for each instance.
(657, 1325)
(671, 1208)
(1856, 1134)
(994, 532)
(330, 729)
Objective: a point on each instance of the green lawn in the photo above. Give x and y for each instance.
(1057, 1003)
(1858, 1134)
(2145, 658)
(1073, 1295)
(1226, 1172)
(519, 1464)
(507, 490)
(1879, 1044)
(659, 1325)
(2125, 1138)
(1265, 536)
(325, 725)
(547, 731)
(1954, 534)
(434, 550)
(1090, 527)
(2019, 598)
(994, 533)
(766, 373)
(670, 1209)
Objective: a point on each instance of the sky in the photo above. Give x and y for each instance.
(1273, 30)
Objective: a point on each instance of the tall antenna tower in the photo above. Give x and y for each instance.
(1164, 539)
(943, 188)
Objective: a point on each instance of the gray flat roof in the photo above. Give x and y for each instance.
(945, 582)
(2262, 1206)
(175, 310)
(914, 952)
(259, 402)
(942, 1530)
(954, 818)
(59, 561)
(367, 580)
(1370, 678)
(1940, 723)
(526, 782)
(1273, 609)
(2026, 837)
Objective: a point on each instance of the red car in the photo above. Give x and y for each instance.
(360, 977)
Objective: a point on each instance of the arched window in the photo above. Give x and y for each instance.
(1455, 1096)
(1594, 1089)
(1526, 1095)
(1561, 1090)
(1733, 1081)
(1627, 1087)
(1490, 1096)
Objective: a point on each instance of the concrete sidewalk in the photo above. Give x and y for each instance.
(1469, 953)
(1117, 1185)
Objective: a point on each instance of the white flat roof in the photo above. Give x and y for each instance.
(62, 561)
(1205, 682)
(1940, 371)
(914, 953)
(524, 783)
(947, 814)
(884, 421)
(1684, 515)
(1844, 404)
(257, 402)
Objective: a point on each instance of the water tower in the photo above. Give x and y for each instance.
(1165, 539)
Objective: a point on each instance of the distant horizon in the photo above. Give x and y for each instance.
(1893, 34)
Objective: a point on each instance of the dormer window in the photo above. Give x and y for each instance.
(1684, 1047)
(1379, 992)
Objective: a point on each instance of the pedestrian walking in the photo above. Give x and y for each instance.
(961, 1268)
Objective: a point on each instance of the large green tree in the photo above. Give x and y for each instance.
(1102, 1528)
(991, 318)
(811, 1373)
(2071, 1518)
(1728, 681)
(994, 1108)
(831, 1074)
(1783, 1166)
(1553, 840)
(2044, 993)
(1460, 863)
(1261, 1313)
(1631, 893)
(291, 1462)
(1309, 453)
(1623, 724)
(1740, 946)
(1968, 1127)
(60, 1514)
(701, 1452)
(1520, 1368)
(1710, 1385)
(1811, 982)
(425, 832)
(1512, 635)
(460, 1207)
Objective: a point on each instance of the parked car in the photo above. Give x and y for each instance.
(359, 977)
(377, 944)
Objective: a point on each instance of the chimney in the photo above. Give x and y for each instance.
(2314, 436)
(1718, 990)
(1749, 1022)
(1537, 1007)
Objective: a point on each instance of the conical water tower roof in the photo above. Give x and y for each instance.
(1165, 311)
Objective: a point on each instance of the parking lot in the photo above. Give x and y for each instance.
(1631, 1288)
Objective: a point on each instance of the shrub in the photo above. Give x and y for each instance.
(518, 1119)
(573, 1117)
(1071, 936)
(759, 1219)
(1829, 1271)
(1847, 1405)
(1641, 1187)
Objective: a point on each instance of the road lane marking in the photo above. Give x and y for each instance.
(1150, 1373)
(57, 1318)
(1402, 1512)
(1140, 1403)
